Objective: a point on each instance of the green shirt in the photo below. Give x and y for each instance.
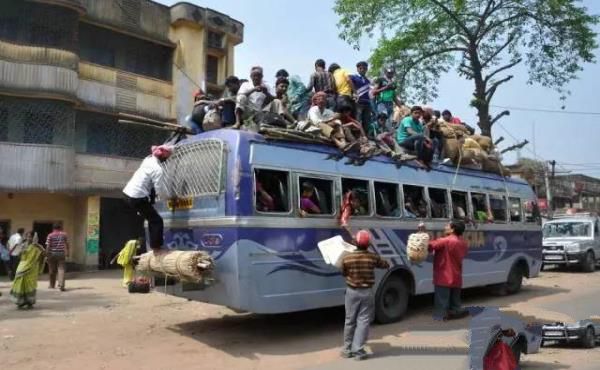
(374, 129)
(406, 123)
(387, 96)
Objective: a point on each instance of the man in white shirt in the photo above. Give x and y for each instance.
(253, 95)
(328, 121)
(141, 188)
(15, 248)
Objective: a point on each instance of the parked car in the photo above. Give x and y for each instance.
(584, 332)
(487, 326)
(572, 240)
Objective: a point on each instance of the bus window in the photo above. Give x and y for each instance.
(415, 205)
(481, 212)
(498, 207)
(386, 200)
(438, 199)
(515, 210)
(271, 189)
(459, 205)
(316, 196)
(360, 188)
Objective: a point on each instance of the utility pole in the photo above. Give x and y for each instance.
(551, 202)
(548, 193)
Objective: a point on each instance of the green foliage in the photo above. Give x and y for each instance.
(480, 39)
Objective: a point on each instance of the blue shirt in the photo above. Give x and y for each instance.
(408, 122)
(362, 86)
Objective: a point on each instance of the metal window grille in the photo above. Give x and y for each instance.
(196, 169)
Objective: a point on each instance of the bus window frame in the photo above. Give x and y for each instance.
(370, 192)
(429, 203)
(467, 204)
(521, 214)
(399, 200)
(334, 193)
(290, 203)
(472, 207)
(506, 212)
(425, 197)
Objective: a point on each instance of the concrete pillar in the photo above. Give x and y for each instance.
(92, 237)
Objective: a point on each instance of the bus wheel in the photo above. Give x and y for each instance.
(589, 263)
(391, 301)
(513, 282)
(589, 338)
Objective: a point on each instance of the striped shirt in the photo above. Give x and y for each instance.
(358, 268)
(56, 243)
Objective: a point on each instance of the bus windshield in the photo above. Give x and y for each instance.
(567, 229)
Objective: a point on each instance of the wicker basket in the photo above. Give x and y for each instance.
(192, 266)
(416, 248)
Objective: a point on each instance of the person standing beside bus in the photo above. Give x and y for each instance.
(449, 253)
(358, 270)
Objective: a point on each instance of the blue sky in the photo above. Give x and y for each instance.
(292, 34)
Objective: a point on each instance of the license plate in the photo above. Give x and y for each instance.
(554, 333)
(180, 203)
(553, 258)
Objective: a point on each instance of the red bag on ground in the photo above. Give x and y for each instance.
(500, 357)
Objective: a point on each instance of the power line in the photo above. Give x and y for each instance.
(546, 110)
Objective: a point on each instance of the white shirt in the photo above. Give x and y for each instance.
(315, 116)
(147, 176)
(16, 242)
(256, 99)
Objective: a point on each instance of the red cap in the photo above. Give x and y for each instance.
(363, 238)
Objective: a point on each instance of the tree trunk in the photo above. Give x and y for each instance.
(480, 102)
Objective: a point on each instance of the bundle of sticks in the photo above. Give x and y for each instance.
(189, 266)
(133, 119)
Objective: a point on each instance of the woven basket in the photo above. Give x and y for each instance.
(416, 248)
(184, 265)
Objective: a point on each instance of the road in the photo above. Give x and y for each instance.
(98, 325)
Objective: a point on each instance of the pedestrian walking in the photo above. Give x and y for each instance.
(358, 269)
(15, 247)
(449, 253)
(5, 257)
(24, 287)
(57, 250)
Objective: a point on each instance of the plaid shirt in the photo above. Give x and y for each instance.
(358, 268)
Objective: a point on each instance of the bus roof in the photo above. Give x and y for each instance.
(244, 139)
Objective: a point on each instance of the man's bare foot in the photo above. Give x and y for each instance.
(236, 126)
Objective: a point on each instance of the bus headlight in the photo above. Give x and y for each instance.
(573, 247)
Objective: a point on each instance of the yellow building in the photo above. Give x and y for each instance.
(67, 69)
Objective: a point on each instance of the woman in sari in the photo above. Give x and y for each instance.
(26, 277)
(126, 258)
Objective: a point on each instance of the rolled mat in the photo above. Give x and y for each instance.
(192, 266)
(417, 247)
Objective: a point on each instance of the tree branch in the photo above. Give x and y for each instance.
(499, 23)
(489, 10)
(509, 41)
(503, 68)
(456, 20)
(515, 147)
(495, 119)
(492, 90)
(429, 55)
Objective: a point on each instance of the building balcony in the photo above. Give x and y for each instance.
(43, 168)
(208, 18)
(38, 70)
(112, 90)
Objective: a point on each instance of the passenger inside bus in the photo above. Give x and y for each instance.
(414, 201)
(386, 200)
(307, 201)
(459, 205)
(409, 210)
(271, 191)
(360, 204)
(480, 210)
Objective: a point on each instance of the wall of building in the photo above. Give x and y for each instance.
(23, 209)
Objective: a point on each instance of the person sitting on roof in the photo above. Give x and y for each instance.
(379, 132)
(282, 73)
(307, 206)
(410, 136)
(229, 115)
(448, 118)
(352, 128)
(253, 96)
(327, 120)
(280, 103)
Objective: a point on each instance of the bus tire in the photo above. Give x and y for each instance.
(589, 262)
(391, 300)
(513, 283)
